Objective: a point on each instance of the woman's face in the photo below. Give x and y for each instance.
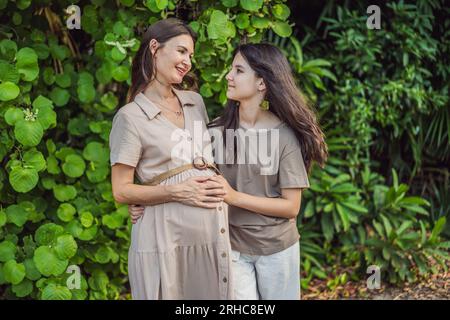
(242, 81)
(173, 60)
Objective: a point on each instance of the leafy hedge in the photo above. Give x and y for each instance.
(58, 92)
(384, 115)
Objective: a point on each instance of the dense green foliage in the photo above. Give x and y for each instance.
(387, 112)
(382, 96)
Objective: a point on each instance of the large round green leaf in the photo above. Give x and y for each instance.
(12, 115)
(8, 48)
(74, 166)
(86, 93)
(99, 280)
(35, 159)
(46, 117)
(230, 3)
(281, 11)
(102, 255)
(7, 251)
(17, 214)
(23, 289)
(45, 114)
(251, 5)
(48, 76)
(121, 73)
(109, 100)
(156, 5)
(242, 21)
(260, 22)
(14, 272)
(59, 96)
(66, 212)
(48, 233)
(117, 55)
(96, 151)
(86, 219)
(8, 73)
(66, 246)
(97, 172)
(283, 29)
(48, 263)
(31, 271)
(22, 179)
(88, 234)
(219, 26)
(63, 80)
(27, 64)
(8, 91)
(23, 4)
(28, 133)
(52, 165)
(42, 101)
(112, 221)
(79, 126)
(56, 292)
(64, 193)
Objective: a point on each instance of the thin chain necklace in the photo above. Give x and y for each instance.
(177, 113)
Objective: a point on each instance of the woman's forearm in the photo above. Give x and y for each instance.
(275, 207)
(144, 195)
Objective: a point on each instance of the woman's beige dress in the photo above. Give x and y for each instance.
(177, 251)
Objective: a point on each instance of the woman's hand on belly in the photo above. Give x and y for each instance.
(195, 191)
(198, 192)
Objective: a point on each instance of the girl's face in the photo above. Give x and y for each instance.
(242, 81)
(173, 60)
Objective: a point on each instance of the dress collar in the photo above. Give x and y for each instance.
(151, 110)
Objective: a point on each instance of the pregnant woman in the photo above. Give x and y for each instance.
(180, 248)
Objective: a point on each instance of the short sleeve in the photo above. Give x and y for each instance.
(292, 171)
(124, 141)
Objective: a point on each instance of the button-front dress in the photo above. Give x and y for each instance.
(177, 251)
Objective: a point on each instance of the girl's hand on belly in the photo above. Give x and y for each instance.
(231, 194)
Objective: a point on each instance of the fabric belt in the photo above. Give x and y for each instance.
(197, 163)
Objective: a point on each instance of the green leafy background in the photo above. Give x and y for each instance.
(382, 97)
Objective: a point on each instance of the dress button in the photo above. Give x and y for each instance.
(220, 208)
(224, 255)
(222, 230)
(189, 139)
(225, 279)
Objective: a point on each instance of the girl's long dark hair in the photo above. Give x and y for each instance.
(285, 99)
(142, 70)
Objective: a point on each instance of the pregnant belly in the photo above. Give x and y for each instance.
(168, 225)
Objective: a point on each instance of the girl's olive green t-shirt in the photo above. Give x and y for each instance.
(250, 232)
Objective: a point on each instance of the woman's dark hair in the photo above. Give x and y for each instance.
(143, 66)
(285, 99)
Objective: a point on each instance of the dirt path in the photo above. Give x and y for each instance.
(432, 287)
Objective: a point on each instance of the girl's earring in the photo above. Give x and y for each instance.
(264, 105)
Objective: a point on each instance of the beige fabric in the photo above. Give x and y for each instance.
(254, 233)
(177, 251)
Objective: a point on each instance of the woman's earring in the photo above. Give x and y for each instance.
(264, 105)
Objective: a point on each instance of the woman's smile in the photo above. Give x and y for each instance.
(181, 71)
